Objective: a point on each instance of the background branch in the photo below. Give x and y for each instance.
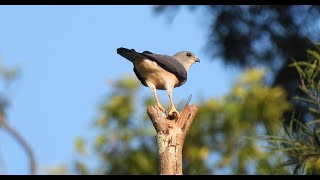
(22, 142)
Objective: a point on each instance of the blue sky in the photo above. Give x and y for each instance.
(67, 54)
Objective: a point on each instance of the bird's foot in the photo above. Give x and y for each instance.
(161, 108)
(173, 113)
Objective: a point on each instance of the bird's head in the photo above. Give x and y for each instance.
(187, 58)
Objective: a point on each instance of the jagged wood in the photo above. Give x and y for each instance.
(170, 137)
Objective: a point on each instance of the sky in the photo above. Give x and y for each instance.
(67, 54)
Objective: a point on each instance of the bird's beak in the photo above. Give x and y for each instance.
(197, 60)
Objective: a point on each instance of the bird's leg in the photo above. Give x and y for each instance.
(172, 108)
(154, 91)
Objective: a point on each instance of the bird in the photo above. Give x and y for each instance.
(162, 72)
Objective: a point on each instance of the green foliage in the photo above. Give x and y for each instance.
(226, 123)
(217, 142)
(300, 140)
(8, 74)
(264, 36)
(124, 142)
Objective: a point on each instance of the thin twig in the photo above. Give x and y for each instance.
(22, 142)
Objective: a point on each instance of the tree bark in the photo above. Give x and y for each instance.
(170, 138)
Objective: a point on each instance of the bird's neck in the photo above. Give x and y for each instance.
(187, 65)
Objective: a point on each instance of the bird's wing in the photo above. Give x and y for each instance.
(142, 80)
(131, 55)
(170, 64)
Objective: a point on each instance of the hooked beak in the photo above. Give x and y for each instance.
(197, 60)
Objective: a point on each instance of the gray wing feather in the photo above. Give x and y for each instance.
(168, 63)
(143, 81)
(131, 55)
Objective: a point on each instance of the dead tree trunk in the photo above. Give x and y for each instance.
(170, 138)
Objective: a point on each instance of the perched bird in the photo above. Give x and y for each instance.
(161, 72)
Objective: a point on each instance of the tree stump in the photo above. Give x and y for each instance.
(170, 137)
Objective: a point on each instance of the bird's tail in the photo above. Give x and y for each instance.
(129, 54)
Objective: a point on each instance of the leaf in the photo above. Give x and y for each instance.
(290, 162)
(80, 146)
(315, 54)
(313, 122)
(316, 138)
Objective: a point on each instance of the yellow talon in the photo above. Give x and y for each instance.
(161, 108)
(173, 113)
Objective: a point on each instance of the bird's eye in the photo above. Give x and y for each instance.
(189, 54)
